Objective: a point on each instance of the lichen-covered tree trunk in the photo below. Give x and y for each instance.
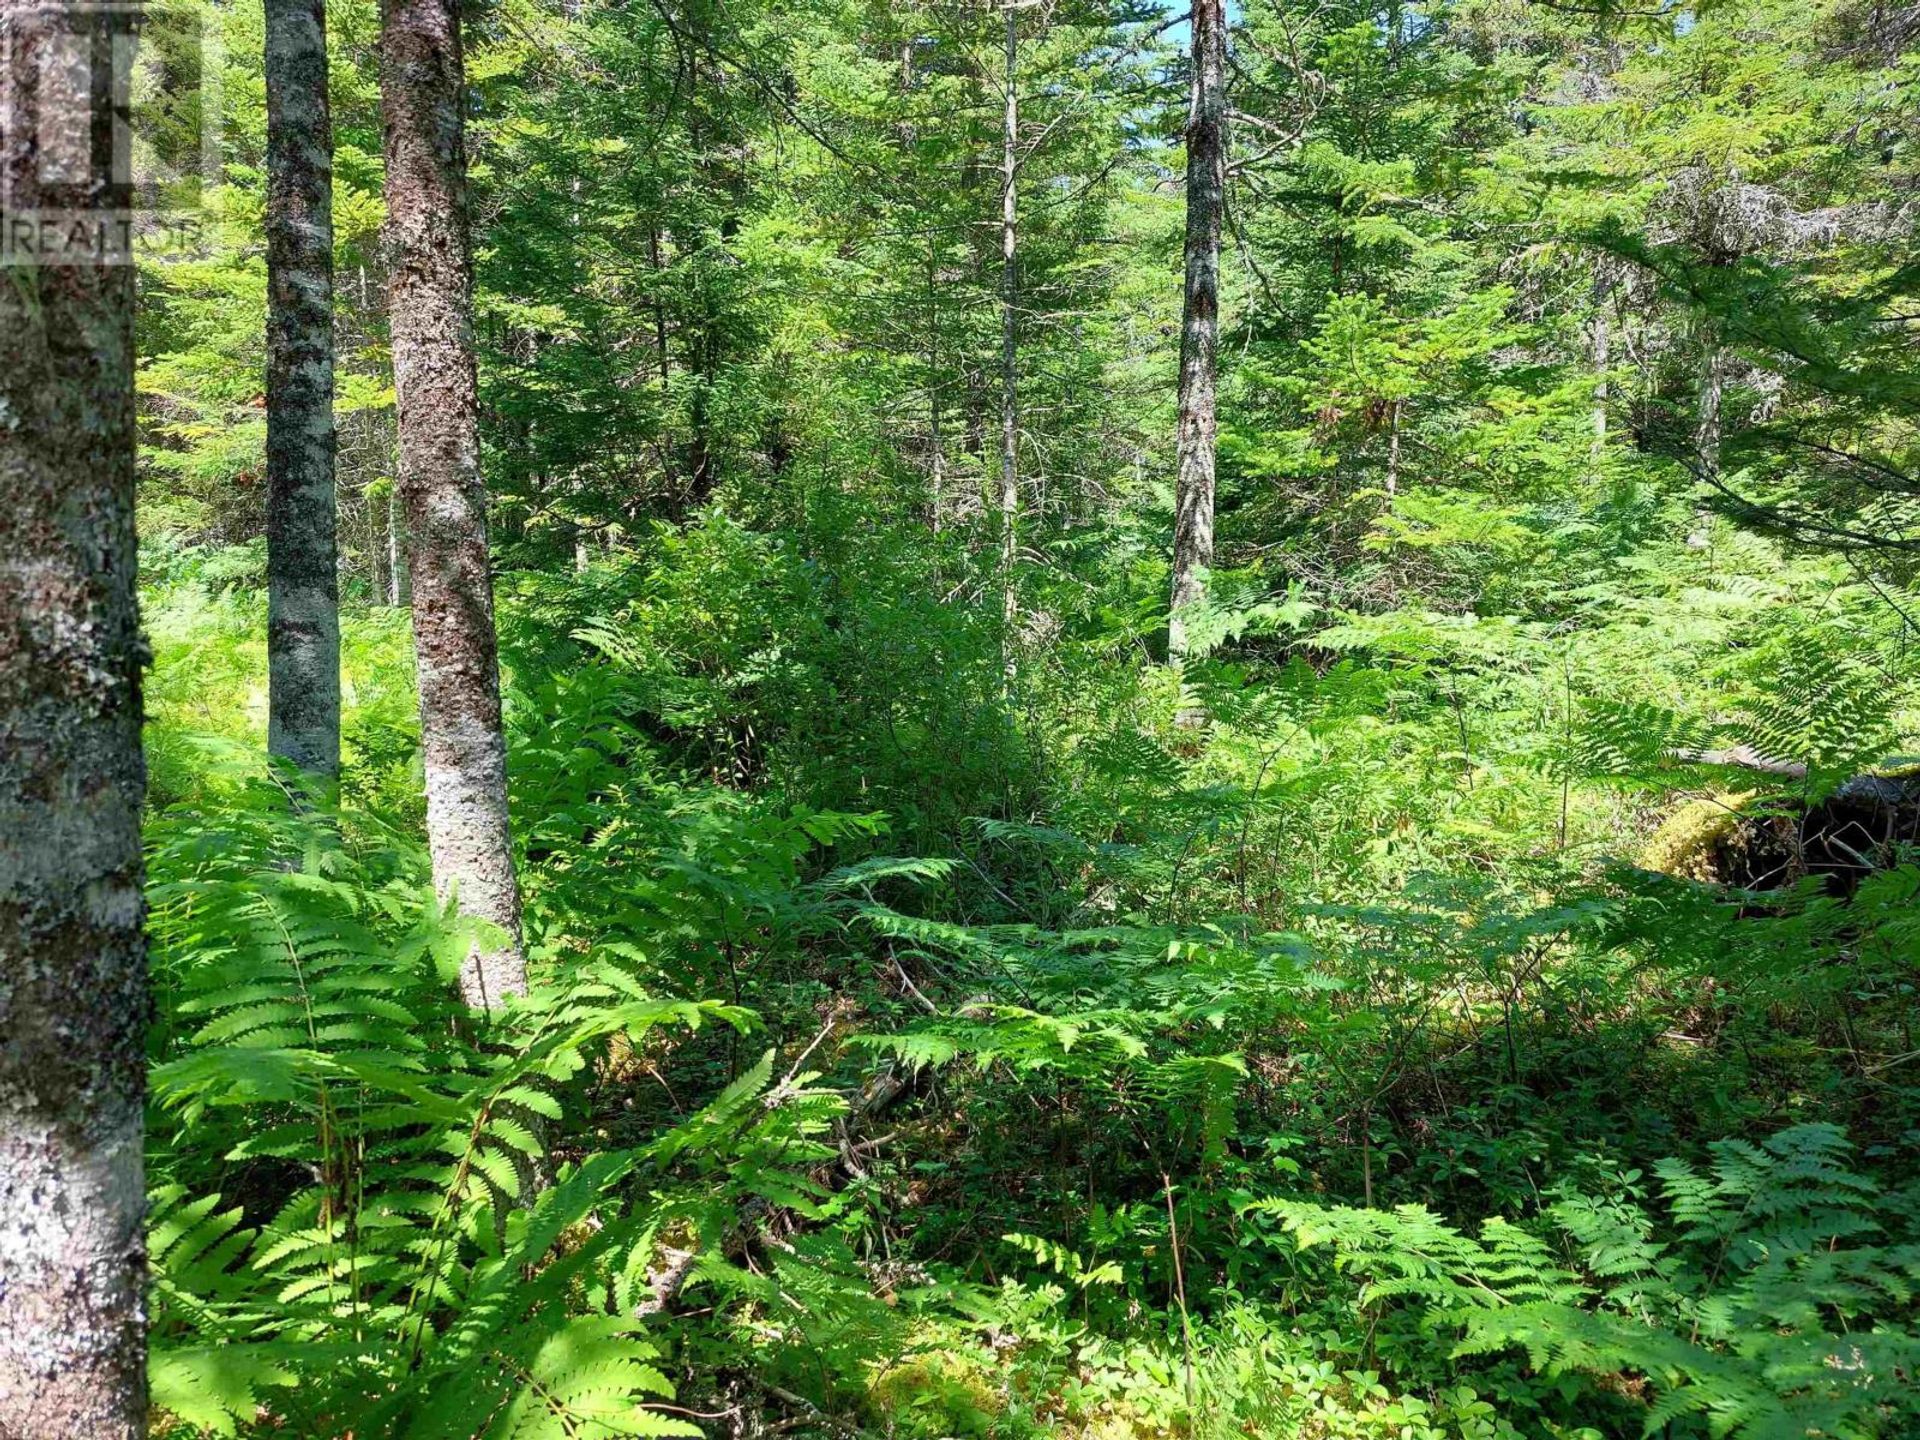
(1200, 319)
(432, 323)
(73, 977)
(303, 588)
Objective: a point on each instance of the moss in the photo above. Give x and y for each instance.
(949, 1393)
(1695, 842)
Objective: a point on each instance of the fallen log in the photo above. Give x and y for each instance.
(1755, 840)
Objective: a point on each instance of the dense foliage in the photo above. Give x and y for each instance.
(1496, 1020)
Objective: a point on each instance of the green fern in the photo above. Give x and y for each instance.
(382, 1264)
(1812, 698)
(1756, 1304)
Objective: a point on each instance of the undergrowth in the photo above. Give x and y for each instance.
(1166, 1090)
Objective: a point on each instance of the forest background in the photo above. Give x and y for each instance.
(1470, 995)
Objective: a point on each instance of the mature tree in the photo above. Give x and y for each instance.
(1200, 317)
(422, 86)
(73, 974)
(303, 587)
(1009, 300)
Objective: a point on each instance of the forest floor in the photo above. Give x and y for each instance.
(923, 1061)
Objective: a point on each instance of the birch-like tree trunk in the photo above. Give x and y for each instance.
(1706, 431)
(431, 307)
(1706, 435)
(399, 585)
(1009, 295)
(303, 586)
(1602, 337)
(1200, 320)
(73, 973)
(936, 452)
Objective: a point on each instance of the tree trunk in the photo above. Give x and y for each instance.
(376, 547)
(936, 457)
(73, 972)
(303, 583)
(433, 369)
(659, 306)
(399, 580)
(1393, 446)
(1200, 321)
(1706, 437)
(1706, 434)
(1602, 356)
(1009, 382)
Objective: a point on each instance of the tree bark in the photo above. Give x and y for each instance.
(1393, 446)
(1602, 334)
(1706, 436)
(399, 585)
(1009, 293)
(73, 972)
(936, 456)
(659, 306)
(1200, 320)
(376, 578)
(303, 585)
(445, 502)
(1706, 433)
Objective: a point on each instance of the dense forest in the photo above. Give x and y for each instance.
(936, 718)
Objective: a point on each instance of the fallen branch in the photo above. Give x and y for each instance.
(1746, 758)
